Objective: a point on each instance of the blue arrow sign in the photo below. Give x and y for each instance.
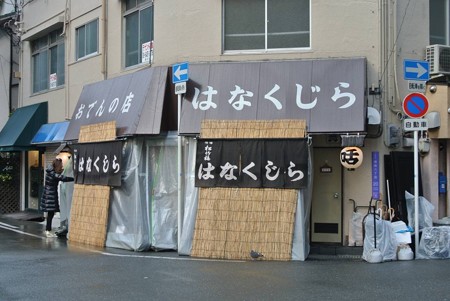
(180, 73)
(416, 70)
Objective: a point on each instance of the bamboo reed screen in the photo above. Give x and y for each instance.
(105, 131)
(231, 222)
(90, 203)
(89, 214)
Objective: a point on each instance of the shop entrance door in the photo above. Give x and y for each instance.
(326, 207)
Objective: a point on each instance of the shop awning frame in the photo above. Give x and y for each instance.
(50, 133)
(329, 94)
(21, 127)
(134, 101)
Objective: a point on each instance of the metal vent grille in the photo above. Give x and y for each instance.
(438, 57)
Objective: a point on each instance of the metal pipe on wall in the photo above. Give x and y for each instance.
(105, 39)
(447, 203)
(67, 54)
(11, 70)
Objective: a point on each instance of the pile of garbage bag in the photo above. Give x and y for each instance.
(387, 240)
(435, 243)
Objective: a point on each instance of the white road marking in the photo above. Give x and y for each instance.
(21, 232)
(168, 258)
(8, 225)
(10, 228)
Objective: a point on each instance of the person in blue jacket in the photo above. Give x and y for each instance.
(49, 200)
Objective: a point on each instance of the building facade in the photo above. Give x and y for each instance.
(9, 81)
(66, 45)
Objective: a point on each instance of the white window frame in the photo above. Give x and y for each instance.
(141, 5)
(265, 50)
(47, 49)
(86, 55)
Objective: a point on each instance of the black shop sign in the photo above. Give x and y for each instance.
(98, 163)
(252, 163)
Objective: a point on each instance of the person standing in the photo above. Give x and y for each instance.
(65, 198)
(49, 200)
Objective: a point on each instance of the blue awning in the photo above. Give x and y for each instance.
(20, 128)
(50, 133)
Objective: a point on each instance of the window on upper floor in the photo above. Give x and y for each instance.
(87, 39)
(47, 56)
(138, 18)
(440, 22)
(263, 25)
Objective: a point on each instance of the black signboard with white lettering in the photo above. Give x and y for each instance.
(98, 163)
(329, 94)
(252, 163)
(123, 99)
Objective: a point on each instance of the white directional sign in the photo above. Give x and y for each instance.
(180, 73)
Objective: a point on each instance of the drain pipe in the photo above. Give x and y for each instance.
(11, 70)
(105, 39)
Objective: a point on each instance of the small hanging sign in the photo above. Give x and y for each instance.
(326, 168)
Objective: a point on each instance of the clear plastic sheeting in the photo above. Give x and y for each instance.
(66, 193)
(426, 210)
(434, 243)
(355, 237)
(300, 245)
(383, 239)
(190, 198)
(143, 211)
(163, 192)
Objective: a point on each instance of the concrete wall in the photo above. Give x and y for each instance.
(192, 31)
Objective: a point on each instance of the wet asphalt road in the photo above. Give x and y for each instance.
(33, 267)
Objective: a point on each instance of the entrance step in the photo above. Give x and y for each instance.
(335, 250)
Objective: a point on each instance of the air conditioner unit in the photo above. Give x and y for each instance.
(439, 58)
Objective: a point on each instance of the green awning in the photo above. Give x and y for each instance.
(21, 127)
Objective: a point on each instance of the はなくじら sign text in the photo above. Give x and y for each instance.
(252, 163)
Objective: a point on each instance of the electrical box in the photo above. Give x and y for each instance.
(424, 145)
(393, 135)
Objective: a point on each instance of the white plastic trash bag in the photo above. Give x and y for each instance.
(435, 243)
(426, 210)
(355, 237)
(386, 242)
(402, 232)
